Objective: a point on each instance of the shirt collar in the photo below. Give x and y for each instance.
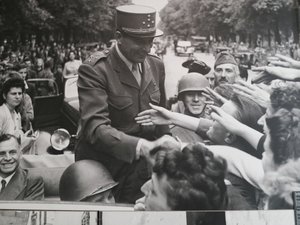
(7, 179)
(125, 60)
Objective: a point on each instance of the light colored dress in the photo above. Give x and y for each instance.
(71, 68)
(10, 123)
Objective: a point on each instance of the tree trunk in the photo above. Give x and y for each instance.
(276, 31)
(296, 24)
(269, 38)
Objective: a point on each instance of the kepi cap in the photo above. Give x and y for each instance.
(137, 21)
(195, 65)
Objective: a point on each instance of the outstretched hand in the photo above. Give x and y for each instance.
(230, 123)
(280, 72)
(285, 61)
(155, 116)
(214, 96)
(258, 93)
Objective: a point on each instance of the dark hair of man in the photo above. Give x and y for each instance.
(248, 111)
(11, 83)
(196, 178)
(284, 130)
(6, 137)
(225, 90)
(287, 97)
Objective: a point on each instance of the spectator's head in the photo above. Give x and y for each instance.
(281, 159)
(287, 97)
(191, 179)
(12, 91)
(244, 110)
(226, 69)
(190, 89)
(13, 57)
(87, 180)
(40, 63)
(22, 70)
(135, 31)
(72, 55)
(282, 138)
(10, 152)
(48, 64)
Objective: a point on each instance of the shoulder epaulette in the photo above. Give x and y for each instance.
(154, 55)
(95, 57)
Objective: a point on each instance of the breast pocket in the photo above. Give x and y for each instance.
(154, 93)
(120, 111)
(120, 102)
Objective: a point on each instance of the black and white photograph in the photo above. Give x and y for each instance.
(150, 105)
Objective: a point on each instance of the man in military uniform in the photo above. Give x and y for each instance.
(114, 86)
(226, 69)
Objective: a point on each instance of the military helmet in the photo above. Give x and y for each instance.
(84, 178)
(192, 82)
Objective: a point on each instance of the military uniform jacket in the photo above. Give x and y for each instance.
(109, 99)
(23, 186)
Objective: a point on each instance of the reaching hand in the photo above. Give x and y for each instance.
(166, 143)
(226, 120)
(280, 72)
(257, 93)
(214, 96)
(284, 61)
(155, 116)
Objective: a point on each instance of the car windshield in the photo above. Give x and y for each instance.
(184, 43)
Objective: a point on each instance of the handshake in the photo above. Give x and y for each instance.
(148, 149)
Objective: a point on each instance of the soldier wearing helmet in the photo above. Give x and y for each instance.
(226, 69)
(87, 180)
(190, 88)
(192, 102)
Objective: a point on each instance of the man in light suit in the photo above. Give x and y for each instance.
(114, 86)
(16, 183)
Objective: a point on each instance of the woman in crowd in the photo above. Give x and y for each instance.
(26, 105)
(277, 173)
(10, 119)
(191, 179)
(71, 67)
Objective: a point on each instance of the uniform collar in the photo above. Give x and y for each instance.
(125, 60)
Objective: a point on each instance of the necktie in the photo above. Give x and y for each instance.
(3, 182)
(136, 73)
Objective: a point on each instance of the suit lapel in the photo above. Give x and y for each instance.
(15, 186)
(125, 75)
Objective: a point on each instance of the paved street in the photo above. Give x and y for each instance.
(174, 70)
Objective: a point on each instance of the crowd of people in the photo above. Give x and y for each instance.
(229, 142)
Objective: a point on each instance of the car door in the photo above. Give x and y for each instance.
(47, 102)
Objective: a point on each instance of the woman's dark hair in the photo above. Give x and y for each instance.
(287, 97)
(284, 130)
(9, 83)
(196, 178)
(248, 112)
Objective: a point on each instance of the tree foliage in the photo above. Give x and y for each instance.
(68, 18)
(227, 18)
